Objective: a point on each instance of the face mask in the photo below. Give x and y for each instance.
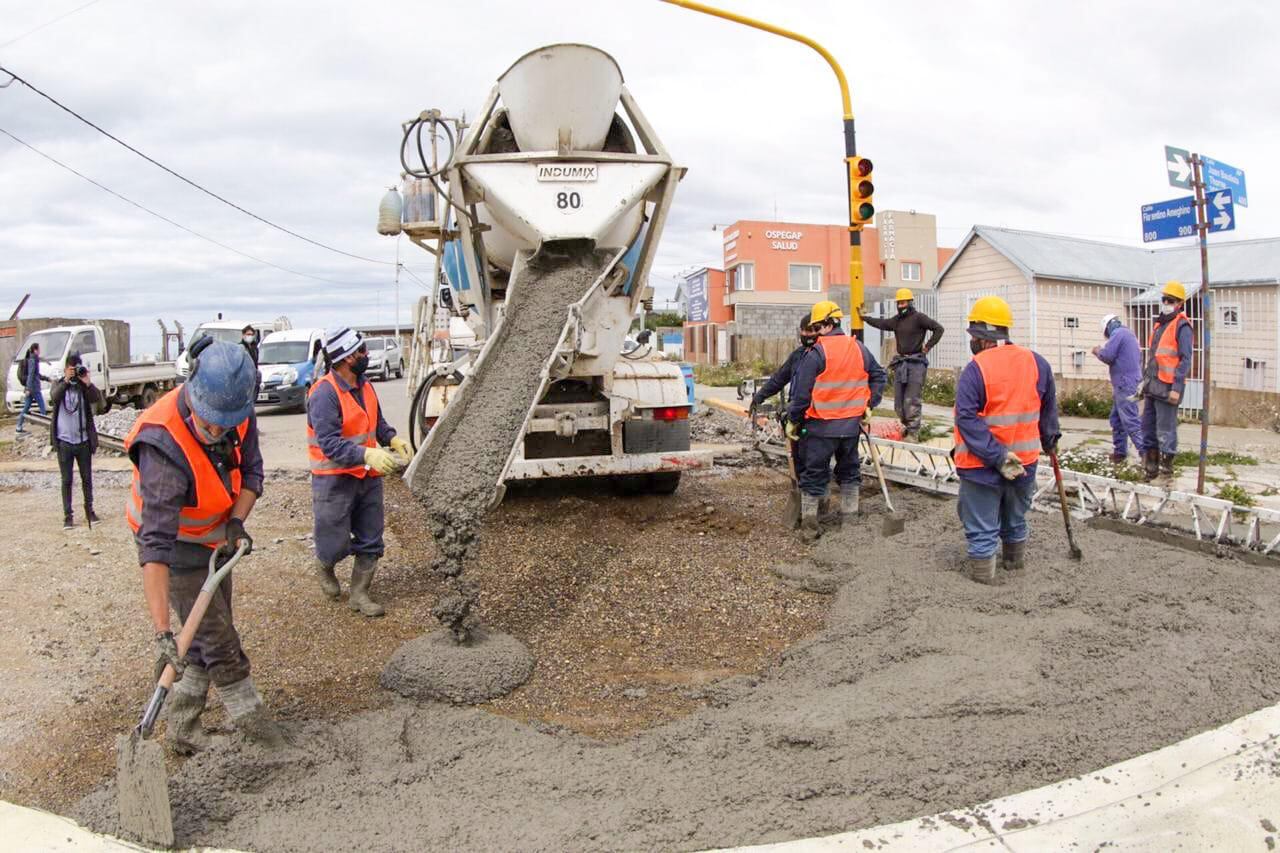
(808, 340)
(360, 365)
(902, 312)
(248, 339)
(975, 346)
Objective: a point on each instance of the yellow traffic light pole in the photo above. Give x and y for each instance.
(852, 161)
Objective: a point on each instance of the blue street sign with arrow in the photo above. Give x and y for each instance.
(1168, 220)
(1219, 176)
(1220, 211)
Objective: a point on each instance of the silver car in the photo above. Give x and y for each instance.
(385, 358)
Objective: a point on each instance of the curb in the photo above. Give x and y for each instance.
(725, 406)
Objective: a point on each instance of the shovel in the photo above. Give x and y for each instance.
(791, 512)
(142, 786)
(893, 523)
(1066, 514)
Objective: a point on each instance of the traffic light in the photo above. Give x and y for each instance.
(861, 211)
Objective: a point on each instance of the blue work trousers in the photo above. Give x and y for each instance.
(38, 397)
(995, 514)
(1160, 425)
(1126, 425)
(349, 516)
(816, 453)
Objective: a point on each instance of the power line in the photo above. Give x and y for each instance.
(48, 23)
(187, 180)
(163, 218)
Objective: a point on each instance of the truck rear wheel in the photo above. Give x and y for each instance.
(148, 397)
(664, 482)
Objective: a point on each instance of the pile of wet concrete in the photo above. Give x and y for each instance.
(923, 692)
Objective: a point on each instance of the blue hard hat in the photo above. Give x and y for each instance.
(222, 382)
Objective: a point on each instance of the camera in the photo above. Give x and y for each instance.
(81, 370)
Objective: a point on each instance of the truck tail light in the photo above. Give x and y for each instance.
(671, 413)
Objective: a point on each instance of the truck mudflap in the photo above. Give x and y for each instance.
(603, 466)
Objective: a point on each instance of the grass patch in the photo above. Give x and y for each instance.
(729, 375)
(1236, 494)
(1082, 403)
(1191, 458)
(939, 389)
(1086, 461)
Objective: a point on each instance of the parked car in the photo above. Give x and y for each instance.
(385, 358)
(228, 331)
(287, 365)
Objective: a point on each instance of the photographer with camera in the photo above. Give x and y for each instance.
(73, 434)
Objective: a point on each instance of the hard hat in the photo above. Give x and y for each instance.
(1174, 289)
(341, 342)
(222, 381)
(990, 318)
(904, 294)
(825, 310)
(1106, 321)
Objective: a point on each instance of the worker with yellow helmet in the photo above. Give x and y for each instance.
(1165, 379)
(1006, 412)
(911, 365)
(832, 388)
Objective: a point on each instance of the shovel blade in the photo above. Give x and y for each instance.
(142, 790)
(893, 524)
(791, 512)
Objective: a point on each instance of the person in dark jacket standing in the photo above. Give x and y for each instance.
(836, 383)
(31, 367)
(911, 365)
(73, 435)
(781, 377)
(249, 340)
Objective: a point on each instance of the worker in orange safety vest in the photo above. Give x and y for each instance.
(1169, 349)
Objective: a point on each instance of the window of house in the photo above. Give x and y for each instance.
(910, 270)
(1070, 322)
(806, 277)
(1229, 317)
(742, 277)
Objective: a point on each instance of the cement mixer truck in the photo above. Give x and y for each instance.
(545, 215)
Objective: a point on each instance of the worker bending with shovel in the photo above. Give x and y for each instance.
(832, 388)
(1006, 411)
(345, 434)
(911, 365)
(197, 472)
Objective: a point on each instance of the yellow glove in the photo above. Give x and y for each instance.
(401, 448)
(794, 430)
(381, 460)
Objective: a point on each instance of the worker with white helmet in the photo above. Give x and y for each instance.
(1165, 379)
(197, 472)
(346, 434)
(1123, 357)
(834, 386)
(911, 365)
(1006, 412)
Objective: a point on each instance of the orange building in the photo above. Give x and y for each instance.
(774, 271)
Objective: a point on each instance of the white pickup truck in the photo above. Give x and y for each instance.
(137, 383)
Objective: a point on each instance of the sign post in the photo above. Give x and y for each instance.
(1206, 307)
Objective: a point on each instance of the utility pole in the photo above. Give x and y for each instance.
(1206, 311)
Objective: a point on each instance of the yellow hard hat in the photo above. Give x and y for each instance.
(1174, 289)
(988, 314)
(825, 310)
(904, 294)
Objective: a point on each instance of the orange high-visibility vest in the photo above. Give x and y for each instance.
(1166, 351)
(206, 522)
(841, 390)
(359, 426)
(1012, 410)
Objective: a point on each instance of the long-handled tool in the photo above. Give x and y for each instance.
(1076, 554)
(791, 512)
(893, 523)
(142, 786)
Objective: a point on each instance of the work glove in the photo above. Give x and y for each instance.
(235, 535)
(401, 448)
(794, 430)
(1011, 468)
(167, 654)
(382, 461)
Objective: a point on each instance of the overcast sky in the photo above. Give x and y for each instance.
(1024, 114)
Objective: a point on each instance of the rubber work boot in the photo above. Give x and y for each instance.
(250, 717)
(983, 569)
(809, 531)
(1152, 463)
(1166, 465)
(1119, 458)
(361, 577)
(328, 581)
(1014, 558)
(187, 702)
(848, 502)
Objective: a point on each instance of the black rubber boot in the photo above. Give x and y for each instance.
(1166, 464)
(809, 531)
(1013, 558)
(1152, 461)
(983, 569)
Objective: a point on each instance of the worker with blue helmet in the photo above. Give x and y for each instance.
(197, 472)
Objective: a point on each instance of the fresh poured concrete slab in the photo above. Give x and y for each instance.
(1219, 790)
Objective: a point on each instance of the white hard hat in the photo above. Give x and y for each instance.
(1106, 321)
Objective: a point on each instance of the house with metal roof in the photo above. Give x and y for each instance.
(1060, 289)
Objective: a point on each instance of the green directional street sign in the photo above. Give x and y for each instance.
(1178, 162)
